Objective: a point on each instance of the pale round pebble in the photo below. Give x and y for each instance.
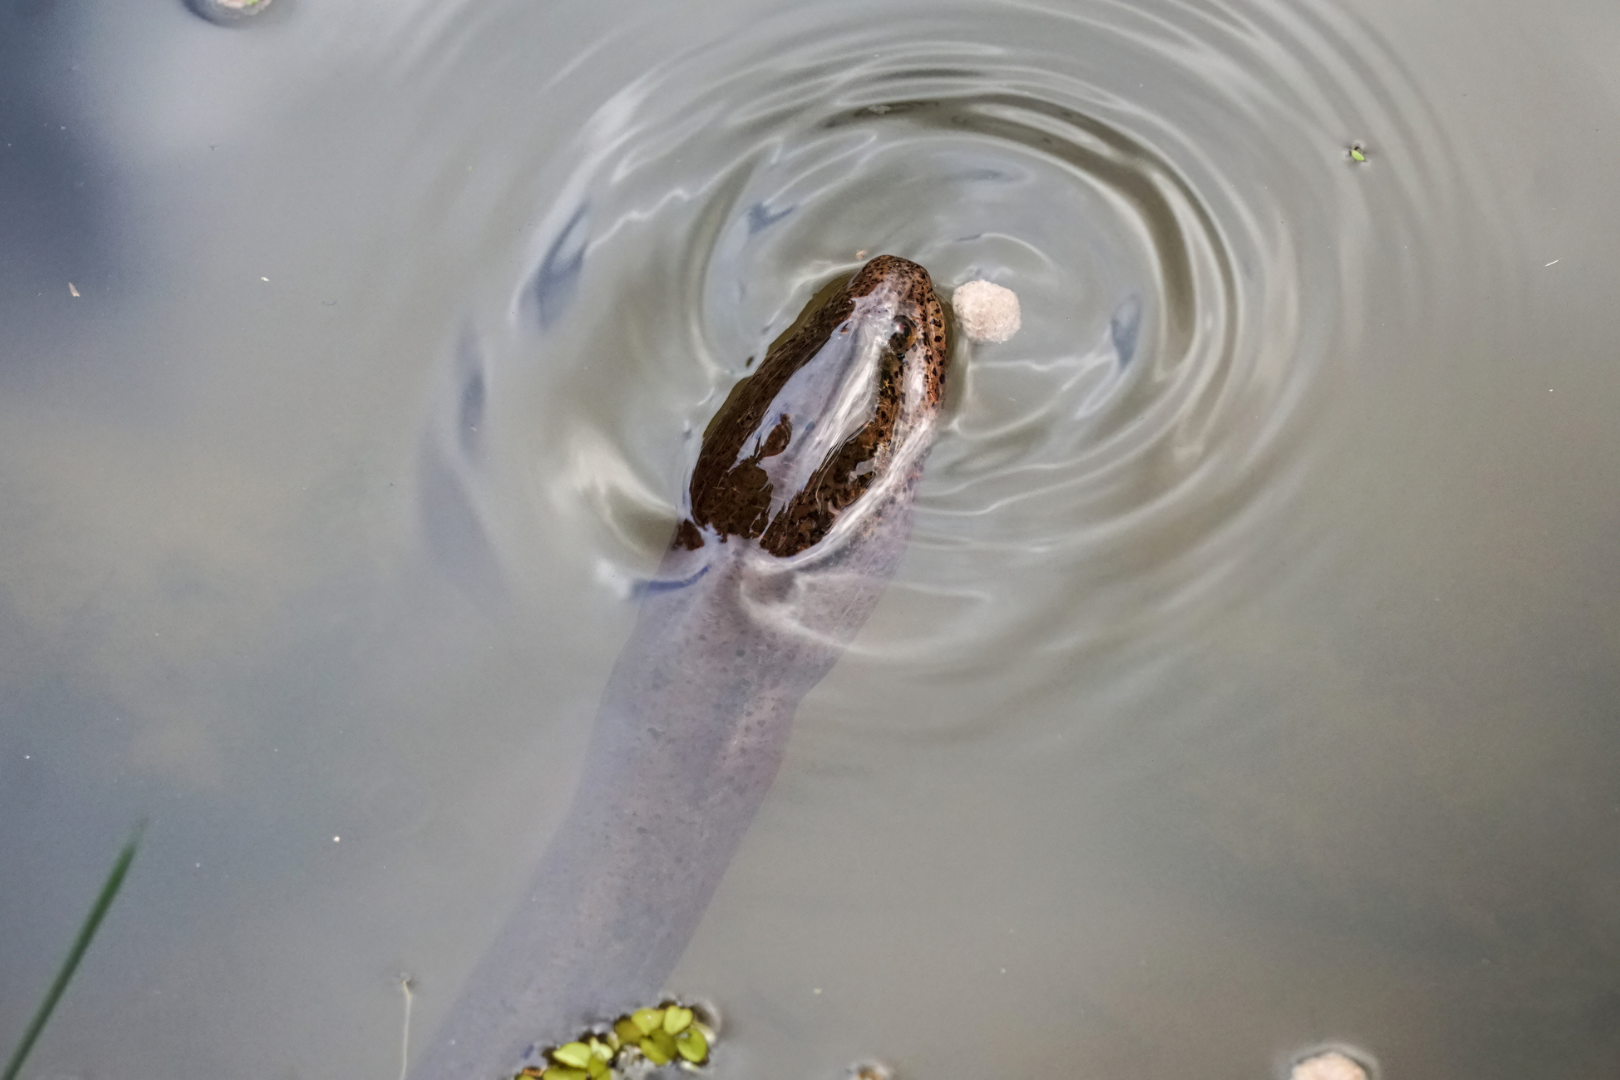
(986, 311)
(1331, 1065)
(869, 1070)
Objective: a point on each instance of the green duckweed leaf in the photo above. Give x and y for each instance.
(575, 1053)
(692, 1046)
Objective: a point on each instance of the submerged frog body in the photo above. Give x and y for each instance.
(797, 515)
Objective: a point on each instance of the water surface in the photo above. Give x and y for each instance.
(1249, 682)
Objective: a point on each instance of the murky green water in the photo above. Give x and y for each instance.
(1250, 683)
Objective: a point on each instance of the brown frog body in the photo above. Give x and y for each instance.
(797, 515)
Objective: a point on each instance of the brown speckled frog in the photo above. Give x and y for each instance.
(797, 515)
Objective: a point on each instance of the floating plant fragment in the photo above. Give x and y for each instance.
(692, 1046)
(635, 1042)
(676, 1019)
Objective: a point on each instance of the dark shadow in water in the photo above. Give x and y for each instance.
(451, 526)
(558, 276)
(474, 395)
(760, 218)
(57, 193)
(1124, 326)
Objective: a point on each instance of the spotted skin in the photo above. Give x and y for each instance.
(731, 493)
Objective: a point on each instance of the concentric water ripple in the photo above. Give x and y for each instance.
(1189, 250)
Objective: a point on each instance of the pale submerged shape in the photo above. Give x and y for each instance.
(986, 312)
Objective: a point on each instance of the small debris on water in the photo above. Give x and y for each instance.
(869, 1070)
(227, 12)
(1357, 152)
(986, 312)
(1328, 1065)
(405, 984)
(71, 290)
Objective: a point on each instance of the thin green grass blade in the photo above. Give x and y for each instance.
(92, 922)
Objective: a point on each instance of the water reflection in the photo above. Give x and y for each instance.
(1128, 224)
(1247, 689)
